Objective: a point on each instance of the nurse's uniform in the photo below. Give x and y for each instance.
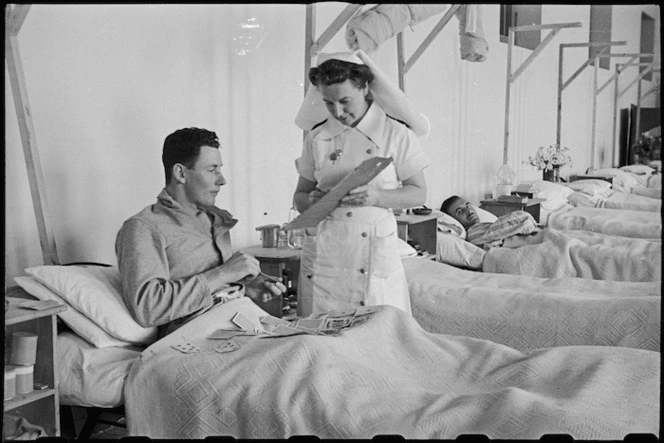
(353, 259)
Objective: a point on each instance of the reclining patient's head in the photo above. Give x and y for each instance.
(461, 210)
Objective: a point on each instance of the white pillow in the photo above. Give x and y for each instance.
(95, 292)
(484, 215)
(449, 225)
(455, 251)
(621, 179)
(78, 322)
(593, 187)
(638, 169)
(549, 191)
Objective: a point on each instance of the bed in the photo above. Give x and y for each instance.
(557, 212)
(528, 313)
(550, 252)
(380, 377)
(386, 376)
(624, 191)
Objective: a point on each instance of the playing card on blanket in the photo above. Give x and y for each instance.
(364, 310)
(246, 323)
(225, 334)
(226, 346)
(186, 347)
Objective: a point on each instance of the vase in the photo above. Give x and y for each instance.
(551, 175)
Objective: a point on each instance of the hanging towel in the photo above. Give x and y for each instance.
(368, 30)
(472, 44)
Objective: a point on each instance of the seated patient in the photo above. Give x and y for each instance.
(488, 234)
(175, 256)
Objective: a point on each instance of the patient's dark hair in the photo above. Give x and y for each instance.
(449, 202)
(183, 146)
(338, 71)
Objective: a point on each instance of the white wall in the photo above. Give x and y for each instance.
(107, 83)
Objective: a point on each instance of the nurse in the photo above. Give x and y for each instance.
(353, 259)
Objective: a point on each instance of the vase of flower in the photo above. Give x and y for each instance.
(549, 160)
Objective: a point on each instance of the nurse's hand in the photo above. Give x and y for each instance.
(315, 195)
(364, 195)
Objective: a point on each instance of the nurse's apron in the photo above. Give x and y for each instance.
(353, 260)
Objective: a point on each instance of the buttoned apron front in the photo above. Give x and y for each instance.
(353, 260)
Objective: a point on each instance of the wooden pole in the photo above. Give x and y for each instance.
(510, 44)
(594, 118)
(559, 104)
(615, 116)
(401, 71)
(15, 17)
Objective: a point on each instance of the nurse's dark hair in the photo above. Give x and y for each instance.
(447, 203)
(338, 71)
(183, 146)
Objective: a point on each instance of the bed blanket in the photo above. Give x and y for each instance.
(387, 376)
(553, 253)
(527, 313)
(625, 223)
(617, 200)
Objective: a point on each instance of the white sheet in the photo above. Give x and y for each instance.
(625, 223)
(552, 253)
(91, 376)
(387, 376)
(527, 313)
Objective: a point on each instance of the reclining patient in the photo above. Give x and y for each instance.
(526, 249)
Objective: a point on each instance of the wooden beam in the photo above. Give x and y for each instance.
(14, 18)
(30, 150)
(641, 75)
(589, 44)
(334, 27)
(432, 35)
(557, 26)
(401, 71)
(615, 75)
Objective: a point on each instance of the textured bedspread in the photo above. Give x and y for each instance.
(625, 223)
(552, 253)
(387, 376)
(527, 313)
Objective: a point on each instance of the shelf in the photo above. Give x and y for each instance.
(24, 399)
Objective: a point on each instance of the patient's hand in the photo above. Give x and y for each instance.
(260, 289)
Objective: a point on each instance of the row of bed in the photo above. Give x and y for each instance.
(503, 354)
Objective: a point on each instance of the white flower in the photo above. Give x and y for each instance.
(550, 156)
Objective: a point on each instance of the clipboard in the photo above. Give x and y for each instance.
(362, 175)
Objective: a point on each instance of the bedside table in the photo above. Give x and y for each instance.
(39, 407)
(421, 229)
(274, 261)
(498, 208)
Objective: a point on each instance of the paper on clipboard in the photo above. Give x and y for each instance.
(362, 175)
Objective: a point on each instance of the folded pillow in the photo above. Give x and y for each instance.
(449, 225)
(95, 292)
(78, 322)
(484, 215)
(455, 251)
(549, 191)
(621, 179)
(593, 187)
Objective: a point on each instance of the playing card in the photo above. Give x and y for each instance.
(186, 348)
(245, 323)
(345, 313)
(227, 346)
(224, 334)
(337, 323)
(364, 310)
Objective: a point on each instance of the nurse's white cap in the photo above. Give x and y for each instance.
(386, 94)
